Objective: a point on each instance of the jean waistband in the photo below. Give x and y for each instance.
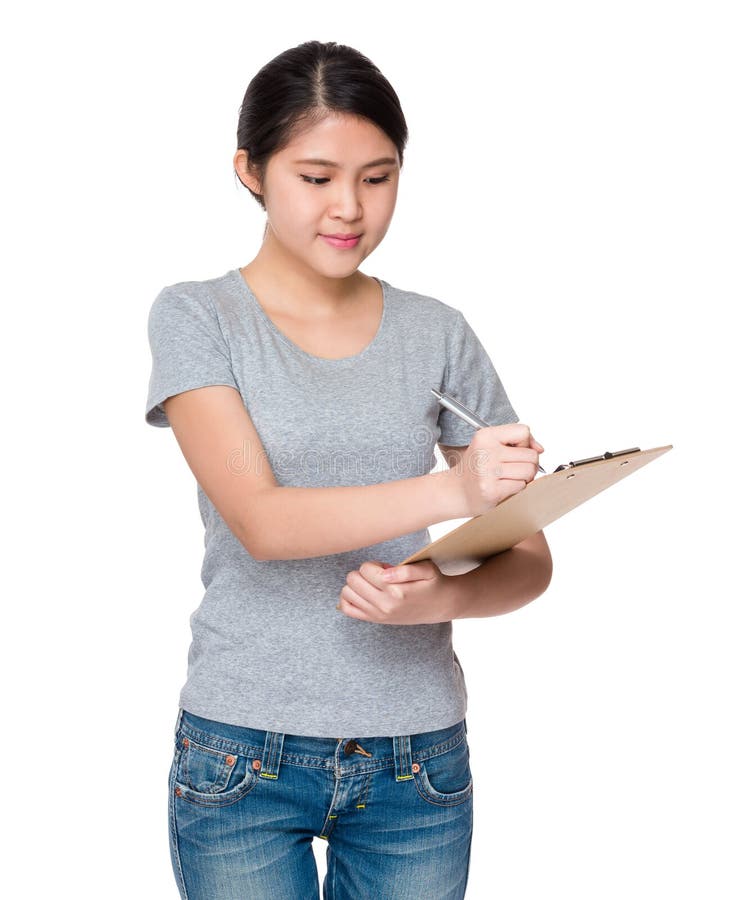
(350, 751)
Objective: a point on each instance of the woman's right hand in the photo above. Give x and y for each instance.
(500, 461)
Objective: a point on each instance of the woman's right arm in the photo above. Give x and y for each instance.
(222, 448)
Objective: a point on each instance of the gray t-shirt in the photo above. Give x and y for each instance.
(269, 648)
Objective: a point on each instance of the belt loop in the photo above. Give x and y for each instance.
(177, 723)
(272, 752)
(402, 752)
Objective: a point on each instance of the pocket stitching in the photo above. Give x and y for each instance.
(225, 770)
(226, 798)
(429, 793)
(210, 798)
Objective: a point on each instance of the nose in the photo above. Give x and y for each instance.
(346, 203)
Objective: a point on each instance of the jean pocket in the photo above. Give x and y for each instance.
(210, 776)
(446, 779)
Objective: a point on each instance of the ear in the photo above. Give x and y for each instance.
(240, 162)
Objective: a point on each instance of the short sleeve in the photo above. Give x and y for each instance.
(471, 378)
(188, 349)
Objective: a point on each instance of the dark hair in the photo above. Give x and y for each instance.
(301, 86)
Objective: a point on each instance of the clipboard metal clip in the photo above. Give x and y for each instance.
(606, 455)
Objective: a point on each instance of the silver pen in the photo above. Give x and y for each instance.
(462, 411)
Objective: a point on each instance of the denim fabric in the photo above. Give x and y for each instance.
(245, 804)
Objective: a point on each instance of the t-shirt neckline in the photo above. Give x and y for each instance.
(322, 360)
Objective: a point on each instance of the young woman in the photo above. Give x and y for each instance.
(323, 697)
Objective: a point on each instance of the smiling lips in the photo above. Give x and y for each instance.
(343, 241)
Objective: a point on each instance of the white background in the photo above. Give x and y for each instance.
(565, 185)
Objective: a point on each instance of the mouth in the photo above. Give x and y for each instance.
(342, 241)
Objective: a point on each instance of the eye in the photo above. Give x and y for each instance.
(311, 179)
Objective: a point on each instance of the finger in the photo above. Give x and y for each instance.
(516, 471)
(352, 600)
(368, 588)
(507, 488)
(515, 434)
(350, 610)
(372, 571)
(518, 455)
(369, 571)
(409, 572)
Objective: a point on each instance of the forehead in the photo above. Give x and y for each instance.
(340, 135)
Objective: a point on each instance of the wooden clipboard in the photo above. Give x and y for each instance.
(542, 501)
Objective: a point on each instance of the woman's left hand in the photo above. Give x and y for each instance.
(417, 594)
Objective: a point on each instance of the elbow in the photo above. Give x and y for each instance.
(539, 564)
(545, 570)
(262, 549)
(259, 551)
(251, 534)
(255, 553)
(253, 545)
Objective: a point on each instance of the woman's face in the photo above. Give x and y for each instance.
(352, 190)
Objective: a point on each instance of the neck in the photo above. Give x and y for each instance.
(293, 287)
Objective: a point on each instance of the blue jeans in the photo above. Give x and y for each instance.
(245, 804)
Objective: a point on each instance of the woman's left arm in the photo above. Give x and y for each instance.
(420, 594)
(504, 582)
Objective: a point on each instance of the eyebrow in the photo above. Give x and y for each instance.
(384, 160)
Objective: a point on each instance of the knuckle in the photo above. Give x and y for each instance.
(478, 463)
(385, 607)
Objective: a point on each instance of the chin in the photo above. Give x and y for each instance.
(331, 269)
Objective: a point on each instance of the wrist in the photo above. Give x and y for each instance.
(448, 499)
(452, 597)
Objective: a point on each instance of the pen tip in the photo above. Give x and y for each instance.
(433, 391)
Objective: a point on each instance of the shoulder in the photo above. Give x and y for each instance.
(185, 300)
(201, 292)
(417, 303)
